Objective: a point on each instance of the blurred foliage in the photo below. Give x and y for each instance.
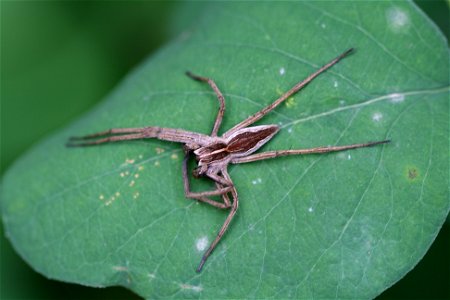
(59, 58)
(65, 58)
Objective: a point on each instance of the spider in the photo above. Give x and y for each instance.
(214, 153)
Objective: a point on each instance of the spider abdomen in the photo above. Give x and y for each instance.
(250, 139)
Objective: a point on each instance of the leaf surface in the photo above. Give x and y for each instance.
(343, 225)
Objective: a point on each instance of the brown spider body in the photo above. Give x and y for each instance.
(220, 152)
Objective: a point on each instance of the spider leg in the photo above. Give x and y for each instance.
(277, 153)
(84, 141)
(225, 225)
(225, 197)
(224, 186)
(221, 189)
(253, 118)
(121, 134)
(220, 97)
(105, 133)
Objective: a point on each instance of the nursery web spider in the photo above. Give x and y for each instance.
(214, 153)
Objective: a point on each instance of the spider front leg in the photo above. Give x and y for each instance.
(222, 188)
(220, 97)
(255, 117)
(223, 229)
(107, 136)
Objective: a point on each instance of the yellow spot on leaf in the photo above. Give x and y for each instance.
(159, 150)
(174, 156)
(290, 102)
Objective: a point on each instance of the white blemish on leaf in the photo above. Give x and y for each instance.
(282, 71)
(151, 275)
(341, 155)
(120, 268)
(136, 175)
(159, 150)
(136, 195)
(349, 157)
(157, 164)
(140, 168)
(174, 156)
(132, 182)
(257, 181)
(141, 156)
(129, 161)
(323, 25)
(101, 197)
(310, 209)
(117, 194)
(335, 84)
(127, 173)
(397, 19)
(341, 102)
(397, 97)
(377, 116)
(195, 288)
(201, 243)
(289, 130)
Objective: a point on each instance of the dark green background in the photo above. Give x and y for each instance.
(59, 58)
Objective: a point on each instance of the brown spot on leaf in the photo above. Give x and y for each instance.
(412, 173)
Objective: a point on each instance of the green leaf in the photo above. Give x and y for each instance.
(342, 225)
